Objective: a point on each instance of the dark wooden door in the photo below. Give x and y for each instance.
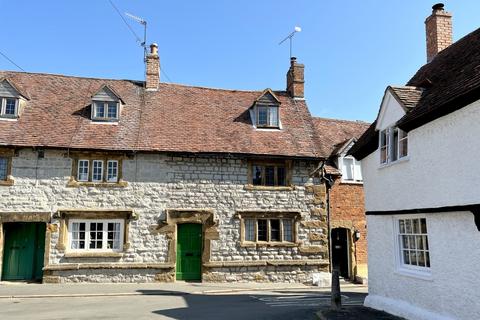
(340, 251)
(23, 251)
(189, 252)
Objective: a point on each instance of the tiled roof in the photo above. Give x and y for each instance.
(407, 95)
(450, 82)
(333, 133)
(175, 118)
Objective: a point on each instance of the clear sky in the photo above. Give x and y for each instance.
(351, 49)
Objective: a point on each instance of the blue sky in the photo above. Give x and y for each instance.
(351, 49)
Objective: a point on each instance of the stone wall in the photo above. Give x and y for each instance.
(155, 183)
(347, 210)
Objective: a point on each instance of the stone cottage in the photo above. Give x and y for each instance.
(126, 181)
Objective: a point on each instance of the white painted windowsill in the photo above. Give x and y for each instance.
(414, 273)
(389, 164)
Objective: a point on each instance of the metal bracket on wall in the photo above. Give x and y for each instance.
(476, 214)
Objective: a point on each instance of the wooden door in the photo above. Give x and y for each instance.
(189, 252)
(23, 251)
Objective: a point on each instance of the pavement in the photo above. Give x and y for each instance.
(354, 313)
(179, 300)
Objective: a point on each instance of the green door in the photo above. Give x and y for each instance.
(23, 251)
(189, 251)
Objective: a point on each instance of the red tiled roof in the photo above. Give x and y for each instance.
(333, 133)
(175, 118)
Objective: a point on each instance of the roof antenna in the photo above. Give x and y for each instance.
(290, 36)
(144, 23)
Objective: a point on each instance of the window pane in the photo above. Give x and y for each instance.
(275, 230)
(78, 235)
(249, 230)
(403, 143)
(97, 174)
(416, 226)
(414, 242)
(347, 169)
(394, 154)
(269, 175)
(423, 224)
(402, 226)
(82, 170)
(384, 146)
(113, 235)
(257, 175)
(282, 181)
(273, 116)
(96, 235)
(112, 110)
(112, 172)
(262, 230)
(10, 106)
(406, 257)
(357, 172)
(99, 110)
(262, 116)
(3, 168)
(287, 230)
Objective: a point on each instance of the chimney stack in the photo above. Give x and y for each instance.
(295, 79)
(153, 69)
(439, 31)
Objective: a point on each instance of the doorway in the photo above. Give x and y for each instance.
(189, 252)
(23, 251)
(340, 251)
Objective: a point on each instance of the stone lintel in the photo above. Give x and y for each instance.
(313, 224)
(312, 249)
(25, 217)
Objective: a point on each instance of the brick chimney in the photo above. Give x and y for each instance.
(439, 31)
(153, 69)
(295, 79)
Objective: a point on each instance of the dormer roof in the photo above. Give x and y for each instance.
(107, 93)
(8, 86)
(267, 97)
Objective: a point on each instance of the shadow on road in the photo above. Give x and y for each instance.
(277, 304)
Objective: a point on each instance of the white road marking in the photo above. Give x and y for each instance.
(304, 300)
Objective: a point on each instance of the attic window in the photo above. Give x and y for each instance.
(267, 116)
(105, 110)
(8, 107)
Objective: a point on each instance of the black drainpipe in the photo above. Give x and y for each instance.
(328, 185)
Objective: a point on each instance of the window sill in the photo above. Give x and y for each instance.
(386, 165)
(248, 244)
(414, 273)
(7, 183)
(3, 118)
(101, 254)
(250, 187)
(351, 182)
(75, 184)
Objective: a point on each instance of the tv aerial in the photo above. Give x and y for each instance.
(143, 22)
(290, 37)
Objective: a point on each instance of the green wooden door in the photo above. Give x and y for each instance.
(189, 251)
(23, 251)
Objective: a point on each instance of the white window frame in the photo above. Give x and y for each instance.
(3, 107)
(269, 116)
(105, 108)
(408, 269)
(356, 175)
(78, 170)
(104, 236)
(114, 179)
(391, 147)
(101, 171)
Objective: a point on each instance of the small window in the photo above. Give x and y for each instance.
(105, 111)
(393, 145)
(413, 240)
(267, 116)
(96, 235)
(112, 171)
(268, 230)
(351, 169)
(269, 174)
(8, 107)
(3, 168)
(98, 170)
(97, 174)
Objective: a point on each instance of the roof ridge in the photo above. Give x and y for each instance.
(341, 120)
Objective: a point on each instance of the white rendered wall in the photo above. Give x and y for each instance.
(452, 293)
(441, 170)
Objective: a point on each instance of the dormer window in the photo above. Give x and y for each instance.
(105, 110)
(106, 105)
(265, 111)
(9, 107)
(267, 116)
(393, 145)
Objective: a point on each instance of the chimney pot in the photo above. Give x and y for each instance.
(154, 48)
(438, 6)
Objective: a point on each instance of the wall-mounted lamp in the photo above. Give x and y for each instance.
(356, 235)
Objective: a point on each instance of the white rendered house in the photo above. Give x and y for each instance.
(422, 187)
